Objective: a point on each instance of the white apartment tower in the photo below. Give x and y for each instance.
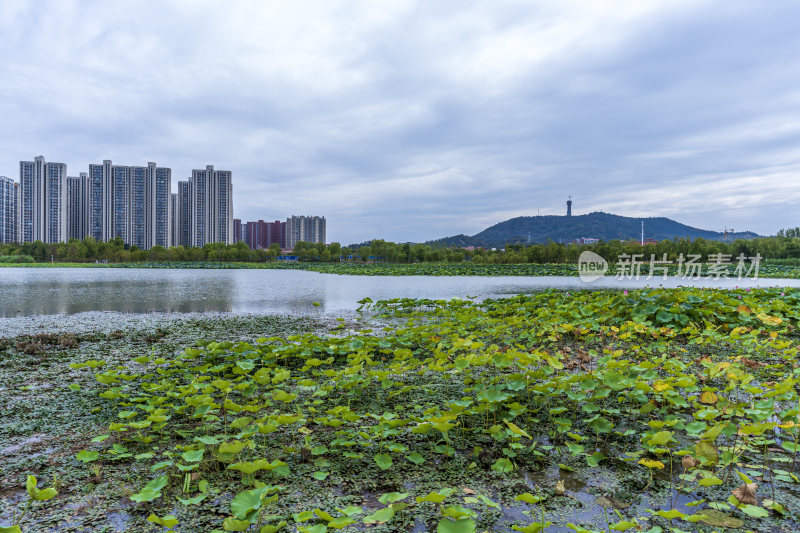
(42, 201)
(211, 207)
(173, 218)
(99, 202)
(120, 203)
(77, 215)
(159, 192)
(130, 202)
(8, 210)
(305, 228)
(55, 213)
(183, 213)
(134, 203)
(31, 193)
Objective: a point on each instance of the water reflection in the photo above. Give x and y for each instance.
(67, 293)
(49, 291)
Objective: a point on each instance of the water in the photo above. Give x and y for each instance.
(26, 292)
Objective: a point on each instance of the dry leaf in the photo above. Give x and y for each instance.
(749, 363)
(468, 491)
(746, 493)
(560, 490)
(689, 462)
(603, 501)
(609, 502)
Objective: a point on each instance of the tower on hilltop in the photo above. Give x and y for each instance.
(569, 207)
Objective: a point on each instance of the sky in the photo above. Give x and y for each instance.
(415, 120)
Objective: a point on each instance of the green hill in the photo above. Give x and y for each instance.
(596, 225)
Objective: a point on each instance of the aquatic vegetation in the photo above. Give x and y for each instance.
(683, 391)
(593, 410)
(35, 494)
(768, 269)
(50, 412)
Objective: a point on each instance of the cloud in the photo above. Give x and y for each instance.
(413, 120)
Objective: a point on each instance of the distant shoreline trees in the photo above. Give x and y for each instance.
(785, 246)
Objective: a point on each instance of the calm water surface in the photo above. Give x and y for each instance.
(53, 291)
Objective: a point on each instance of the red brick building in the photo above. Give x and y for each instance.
(262, 234)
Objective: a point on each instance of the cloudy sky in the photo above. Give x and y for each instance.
(415, 120)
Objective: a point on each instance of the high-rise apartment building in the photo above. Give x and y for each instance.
(173, 218)
(237, 230)
(55, 213)
(138, 207)
(134, 203)
(211, 207)
(77, 202)
(99, 202)
(130, 202)
(8, 210)
(184, 212)
(160, 198)
(31, 191)
(304, 228)
(120, 202)
(43, 201)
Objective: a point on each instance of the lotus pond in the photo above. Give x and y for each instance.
(767, 269)
(644, 410)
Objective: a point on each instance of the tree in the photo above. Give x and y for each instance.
(158, 253)
(334, 251)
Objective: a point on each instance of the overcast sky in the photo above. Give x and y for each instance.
(416, 120)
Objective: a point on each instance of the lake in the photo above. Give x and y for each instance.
(57, 291)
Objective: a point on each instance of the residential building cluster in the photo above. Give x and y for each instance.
(135, 203)
(262, 235)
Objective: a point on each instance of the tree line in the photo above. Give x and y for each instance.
(784, 246)
(89, 250)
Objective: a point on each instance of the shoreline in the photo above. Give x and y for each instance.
(766, 271)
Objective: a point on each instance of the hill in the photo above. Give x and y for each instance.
(596, 225)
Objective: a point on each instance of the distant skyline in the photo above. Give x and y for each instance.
(419, 120)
